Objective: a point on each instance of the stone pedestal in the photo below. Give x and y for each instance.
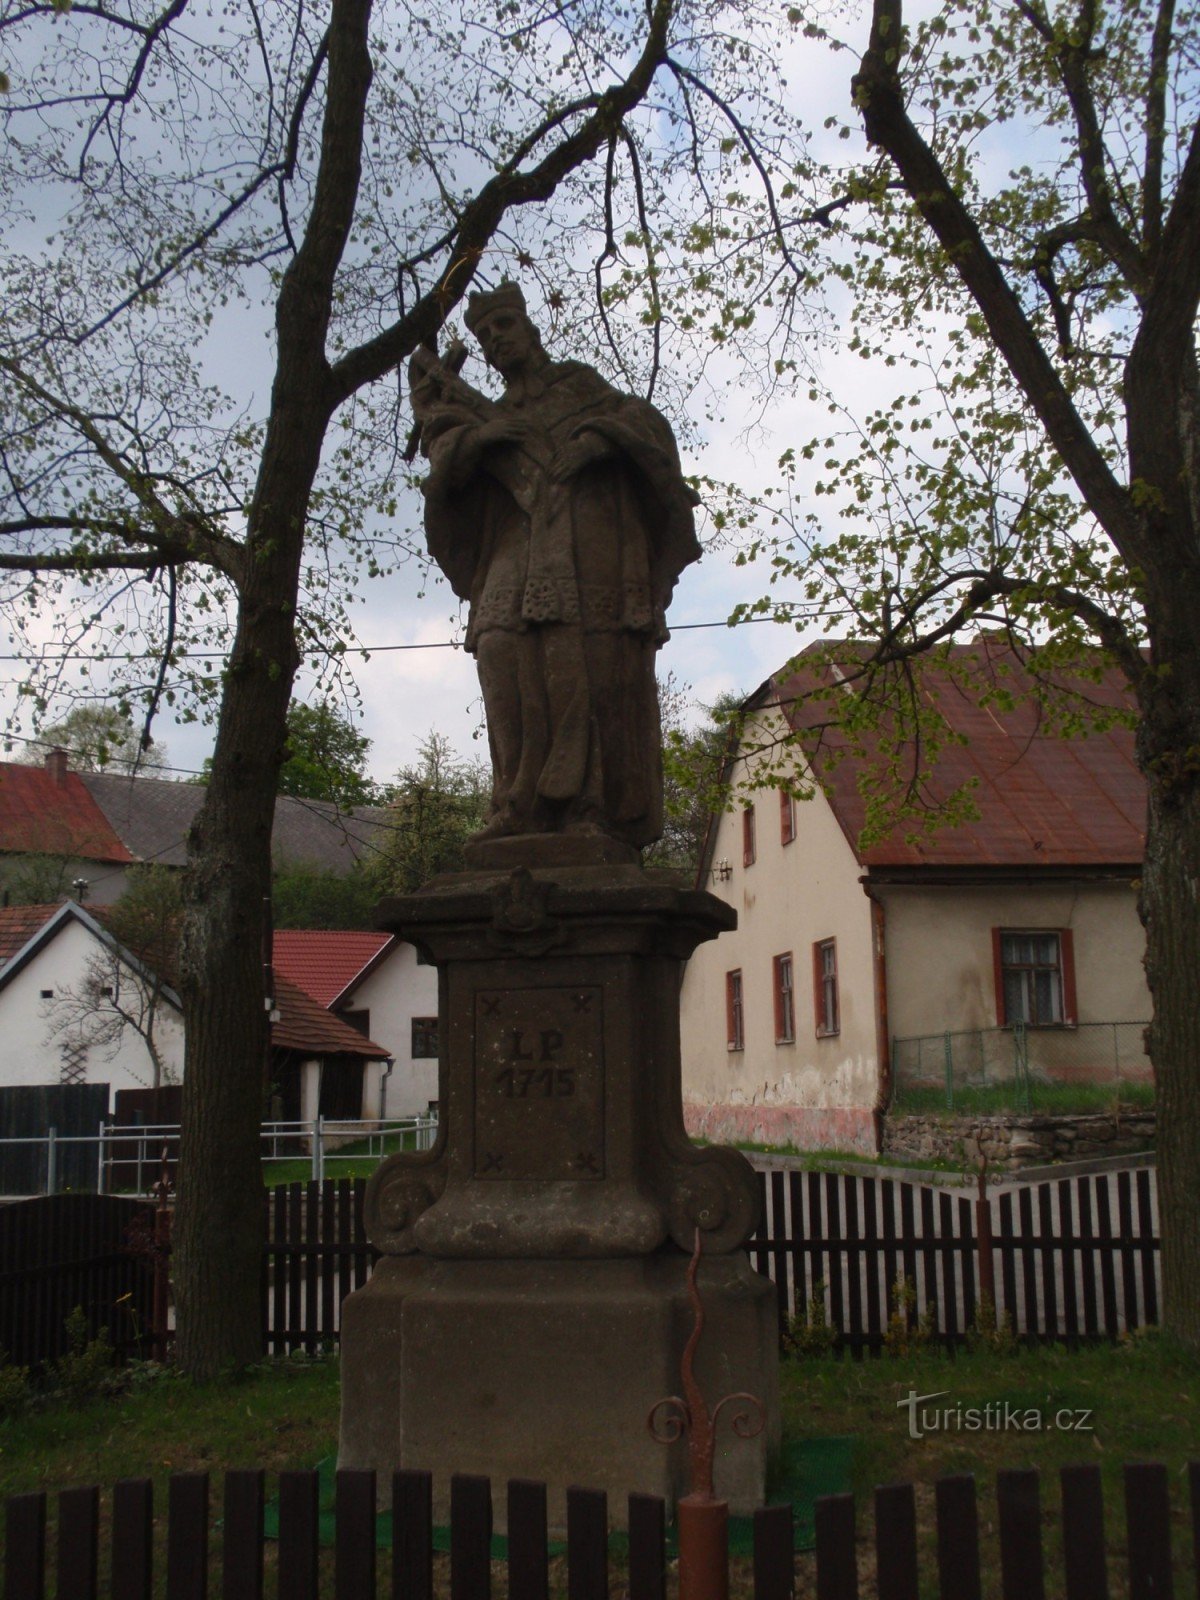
(531, 1306)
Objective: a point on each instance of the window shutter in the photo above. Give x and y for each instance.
(1066, 956)
(998, 978)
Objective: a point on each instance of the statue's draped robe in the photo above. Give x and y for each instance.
(567, 584)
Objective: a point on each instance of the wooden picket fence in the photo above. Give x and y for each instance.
(67, 1250)
(1075, 1258)
(965, 1569)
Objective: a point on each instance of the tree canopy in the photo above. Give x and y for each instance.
(326, 757)
(434, 807)
(1025, 288)
(352, 170)
(103, 737)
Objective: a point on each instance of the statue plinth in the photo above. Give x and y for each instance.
(532, 1303)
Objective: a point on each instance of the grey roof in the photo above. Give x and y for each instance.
(152, 816)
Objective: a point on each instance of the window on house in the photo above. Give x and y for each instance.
(47, 994)
(360, 1021)
(1035, 976)
(787, 817)
(424, 1037)
(785, 1000)
(826, 1006)
(749, 845)
(735, 1012)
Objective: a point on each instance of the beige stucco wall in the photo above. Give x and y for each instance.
(940, 973)
(815, 1092)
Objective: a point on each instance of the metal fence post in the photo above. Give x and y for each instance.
(1021, 1062)
(51, 1160)
(318, 1154)
(100, 1159)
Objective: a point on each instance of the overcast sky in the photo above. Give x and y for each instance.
(406, 692)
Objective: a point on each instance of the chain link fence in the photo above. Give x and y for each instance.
(1083, 1068)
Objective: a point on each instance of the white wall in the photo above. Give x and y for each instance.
(814, 1092)
(28, 1053)
(398, 990)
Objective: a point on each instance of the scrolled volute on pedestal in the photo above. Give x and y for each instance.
(400, 1190)
(716, 1191)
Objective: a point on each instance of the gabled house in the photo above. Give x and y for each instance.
(377, 984)
(78, 1007)
(88, 828)
(854, 964)
(49, 821)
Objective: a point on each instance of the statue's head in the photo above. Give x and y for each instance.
(499, 320)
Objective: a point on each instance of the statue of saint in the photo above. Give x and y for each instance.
(560, 514)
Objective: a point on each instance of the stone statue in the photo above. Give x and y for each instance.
(559, 512)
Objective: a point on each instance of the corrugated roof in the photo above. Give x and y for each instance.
(1043, 800)
(153, 815)
(306, 1027)
(48, 813)
(327, 963)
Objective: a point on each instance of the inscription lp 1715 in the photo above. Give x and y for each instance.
(539, 1084)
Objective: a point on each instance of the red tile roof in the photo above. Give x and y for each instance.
(326, 964)
(18, 924)
(52, 813)
(305, 1026)
(1043, 800)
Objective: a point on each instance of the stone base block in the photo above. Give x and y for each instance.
(549, 1370)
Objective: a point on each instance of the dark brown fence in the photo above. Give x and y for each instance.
(61, 1251)
(315, 1253)
(1074, 1258)
(962, 1559)
(1077, 1258)
(27, 1113)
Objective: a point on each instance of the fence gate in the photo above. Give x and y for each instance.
(29, 1111)
(66, 1250)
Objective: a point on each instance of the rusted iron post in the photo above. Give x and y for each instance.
(702, 1521)
(983, 1238)
(162, 1259)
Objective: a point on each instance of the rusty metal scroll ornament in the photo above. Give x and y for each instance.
(673, 1418)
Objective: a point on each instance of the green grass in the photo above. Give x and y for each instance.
(358, 1159)
(1144, 1397)
(996, 1099)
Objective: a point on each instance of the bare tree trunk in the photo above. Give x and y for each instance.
(1170, 910)
(219, 1228)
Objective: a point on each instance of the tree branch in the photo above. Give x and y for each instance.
(482, 216)
(1074, 54)
(176, 536)
(877, 93)
(1156, 123)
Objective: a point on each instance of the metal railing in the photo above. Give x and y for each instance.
(128, 1159)
(1083, 1067)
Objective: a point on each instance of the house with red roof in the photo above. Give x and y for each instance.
(1016, 929)
(77, 833)
(377, 984)
(79, 1008)
(49, 816)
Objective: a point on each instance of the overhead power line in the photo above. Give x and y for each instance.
(815, 615)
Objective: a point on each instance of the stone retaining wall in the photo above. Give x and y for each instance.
(1012, 1142)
